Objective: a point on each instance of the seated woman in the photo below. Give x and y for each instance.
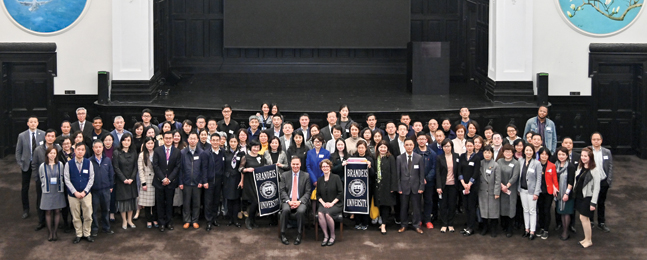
(329, 197)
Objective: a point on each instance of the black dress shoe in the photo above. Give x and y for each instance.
(564, 238)
(237, 224)
(162, 228)
(298, 240)
(532, 237)
(90, 239)
(39, 227)
(94, 233)
(604, 227)
(526, 234)
(109, 231)
(208, 227)
(25, 214)
(76, 240)
(215, 223)
(169, 226)
(330, 242)
(248, 224)
(558, 227)
(325, 242)
(285, 240)
(508, 234)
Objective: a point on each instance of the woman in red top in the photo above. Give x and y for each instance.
(549, 189)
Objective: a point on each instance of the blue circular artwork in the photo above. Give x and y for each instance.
(601, 17)
(45, 16)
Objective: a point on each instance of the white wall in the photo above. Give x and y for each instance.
(82, 50)
(563, 52)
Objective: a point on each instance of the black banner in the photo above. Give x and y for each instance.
(356, 187)
(267, 187)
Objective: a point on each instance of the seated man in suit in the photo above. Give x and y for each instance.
(295, 195)
(410, 167)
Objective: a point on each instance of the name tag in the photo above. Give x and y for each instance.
(237, 158)
(195, 158)
(231, 132)
(85, 171)
(416, 167)
(321, 156)
(347, 130)
(488, 171)
(550, 170)
(511, 165)
(94, 138)
(531, 170)
(53, 181)
(223, 158)
(456, 160)
(258, 159)
(548, 128)
(471, 164)
(604, 157)
(576, 162)
(40, 143)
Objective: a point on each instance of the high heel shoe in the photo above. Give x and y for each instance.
(124, 227)
(451, 229)
(324, 242)
(443, 230)
(132, 225)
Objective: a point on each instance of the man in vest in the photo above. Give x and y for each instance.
(79, 177)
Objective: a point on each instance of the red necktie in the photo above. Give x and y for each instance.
(295, 186)
(168, 154)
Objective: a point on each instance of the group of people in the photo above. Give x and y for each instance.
(497, 181)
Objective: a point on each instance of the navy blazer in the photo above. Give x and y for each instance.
(168, 170)
(191, 167)
(429, 158)
(212, 164)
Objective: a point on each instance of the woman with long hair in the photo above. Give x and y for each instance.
(298, 148)
(587, 189)
(529, 189)
(386, 182)
(146, 175)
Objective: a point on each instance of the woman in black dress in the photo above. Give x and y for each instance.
(586, 189)
(329, 195)
(124, 163)
(232, 183)
(248, 162)
(362, 220)
(138, 136)
(386, 182)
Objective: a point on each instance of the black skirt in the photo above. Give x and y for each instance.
(583, 206)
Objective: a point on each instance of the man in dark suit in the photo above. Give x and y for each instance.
(397, 145)
(166, 164)
(435, 146)
(213, 171)
(277, 127)
(326, 132)
(39, 156)
(295, 197)
(412, 184)
(304, 123)
(27, 143)
(82, 125)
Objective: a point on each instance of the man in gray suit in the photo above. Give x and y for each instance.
(602, 156)
(411, 170)
(39, 156)
(82, 125)
(286, 138)
(294, 200)
(27, 143)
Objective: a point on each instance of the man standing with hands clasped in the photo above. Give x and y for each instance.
(412, 184)
(79, 178)
(191, 178)
(166, 165)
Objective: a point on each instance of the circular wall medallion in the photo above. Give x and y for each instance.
(45, 16)
(600, 17)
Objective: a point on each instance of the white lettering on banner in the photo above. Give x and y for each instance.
(356, 203)
(265, 175)
(356, 173)
(269, 204)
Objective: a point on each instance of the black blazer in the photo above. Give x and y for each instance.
(395, 147)
(326, 132)
(164, 170)
(469, 169)
(87, 129)
(441, 170)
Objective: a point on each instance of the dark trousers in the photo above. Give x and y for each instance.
(164, 204)
(233, 207)
(252, 209)
(362, 219)
(113, 202)
(300, 213)
(414, 198)
(385, 211)
(150, 213)
(469, 205)
(430, 203)
(448, 205)
(39, 195)
(100, 208)
(602, 198)
(544, 204)
(212, 199)
(396, 207)
(26, 179)
(191, 204)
